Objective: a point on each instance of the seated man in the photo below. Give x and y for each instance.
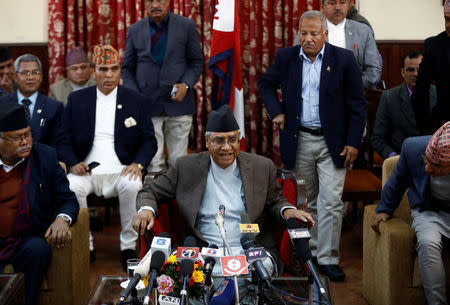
(79, 73)
(424, 168)
(395, 116)
(6, 72)
(109, 124)
(35, 201)
(44, 113)
(243, 182)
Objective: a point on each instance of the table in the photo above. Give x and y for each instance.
(107, 289)
(12, 289)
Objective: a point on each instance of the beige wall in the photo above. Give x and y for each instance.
(25, 21)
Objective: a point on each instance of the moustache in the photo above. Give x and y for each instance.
(26, 147)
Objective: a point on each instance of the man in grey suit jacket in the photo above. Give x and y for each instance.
(395, 117)
(79, 72)
(163, 60)
(243, 182)
(353, 36)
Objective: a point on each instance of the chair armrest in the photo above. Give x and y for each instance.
(299, 183)
(387, 259)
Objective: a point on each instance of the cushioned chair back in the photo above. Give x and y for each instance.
(403, 211)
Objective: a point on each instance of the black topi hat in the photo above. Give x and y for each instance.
(222, 120)
(12, 117)
(4, 54)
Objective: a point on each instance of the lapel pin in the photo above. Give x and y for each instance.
(350, 33)
(328, 69)
(39, 111)
(119, 106)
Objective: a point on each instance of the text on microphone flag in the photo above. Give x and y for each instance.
(249, 228)
(299, 233)
(234, 265)
(255, 254)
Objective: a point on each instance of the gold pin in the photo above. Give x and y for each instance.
(119, 106)
(39, 111)
(328, 69)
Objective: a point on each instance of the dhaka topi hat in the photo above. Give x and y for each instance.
(4, 54)
(75, 56)
(438, 148)
(222, 120)
(105, 55)
(12, 117)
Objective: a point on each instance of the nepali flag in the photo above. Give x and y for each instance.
(225, 61)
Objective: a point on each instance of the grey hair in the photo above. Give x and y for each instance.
(26, 58)
(209, 133)
(315, 14)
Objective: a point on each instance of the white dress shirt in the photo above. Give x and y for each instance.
(336, 34)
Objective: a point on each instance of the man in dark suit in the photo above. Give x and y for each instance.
(435, 67)
(43, 112)
(35, 201)
(243, 182)
(424, 169)
(163, 54)
(321, 119)
(111, 125)
(395, 119)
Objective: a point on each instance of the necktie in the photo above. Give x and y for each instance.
(26, 102)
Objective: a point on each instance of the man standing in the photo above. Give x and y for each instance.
(79, 71)
(6, 72)
(35, 201)
(163, 60)
(435, 67)
(424, 169)
(111, 125)
(321, 119)
(243, 182)
(43, 113)
(395, 117)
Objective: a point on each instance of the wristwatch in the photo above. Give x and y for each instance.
(187, 87)
(65, 218)
(139, 165)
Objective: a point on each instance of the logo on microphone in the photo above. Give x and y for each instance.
(161, 242)
(255, 254)
(299, 233)
(188, 253)
(234, 265)
(249, 228)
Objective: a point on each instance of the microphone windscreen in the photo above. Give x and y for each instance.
(186, 267)
(291, 223)
(190, 242)
(157, 261)
(301, 244)
(224, 294)
(247, 243)
(213, 246)
(164, 234)
(245, 218)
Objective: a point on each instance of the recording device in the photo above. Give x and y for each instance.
(174, 92)
(304, 253)
(189, 250)
(92, 165)
(186, 269)
(247, 243)
(162, 243)
(158, 258)
(224, 294)
(210, 256)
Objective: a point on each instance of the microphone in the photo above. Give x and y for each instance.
(168, 300)
(222, 210)
(156, 264)
(219, 220)
(189, 250)
(256, 256)
(186, 269)
(300, 239)
(210, 256)
(224, 294)
(162, 243)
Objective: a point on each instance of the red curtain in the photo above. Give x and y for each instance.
(266, 25)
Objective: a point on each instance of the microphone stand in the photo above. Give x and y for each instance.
(134, 300)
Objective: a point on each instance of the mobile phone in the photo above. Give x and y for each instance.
(92, 165)
(174, 92)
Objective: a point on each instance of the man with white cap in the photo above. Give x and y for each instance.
(111, 125)
(424, 169)
(79, 74)
(435, 67)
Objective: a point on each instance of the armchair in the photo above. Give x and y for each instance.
(390, 267)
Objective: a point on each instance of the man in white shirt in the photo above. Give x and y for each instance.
(109, 124)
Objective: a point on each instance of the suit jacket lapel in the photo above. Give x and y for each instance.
(170, 38)
(91, 111)
(247, 178)
(406, 105)
(40, 109)
(326, 72)
(349, 37)
(295, 73)
(146, 36)
(120, 114)
(203, 161)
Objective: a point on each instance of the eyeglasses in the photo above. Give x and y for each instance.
(221, 141)
(18, 139)
(411, 69)
(29, 73)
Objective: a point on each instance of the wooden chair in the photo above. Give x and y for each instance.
(390, 267)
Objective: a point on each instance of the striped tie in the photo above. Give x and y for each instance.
(26, 102)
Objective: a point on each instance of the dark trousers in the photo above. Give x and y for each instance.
(32, 257)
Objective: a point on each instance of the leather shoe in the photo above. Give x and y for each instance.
(126, 255)
(334, 272)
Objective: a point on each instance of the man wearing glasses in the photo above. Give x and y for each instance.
(43, 113)
(395, 117)
(36, 205)
(424, 169)
(223, 175)
(6, 72)
(79, 74)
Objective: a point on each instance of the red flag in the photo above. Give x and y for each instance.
(225, 61)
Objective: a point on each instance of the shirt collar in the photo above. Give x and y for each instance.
(9, 168)
(232, 169)
(410, 91)
(163, 23)
(303, 55)
(339, 26)
(32, 97)
(112, 94)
